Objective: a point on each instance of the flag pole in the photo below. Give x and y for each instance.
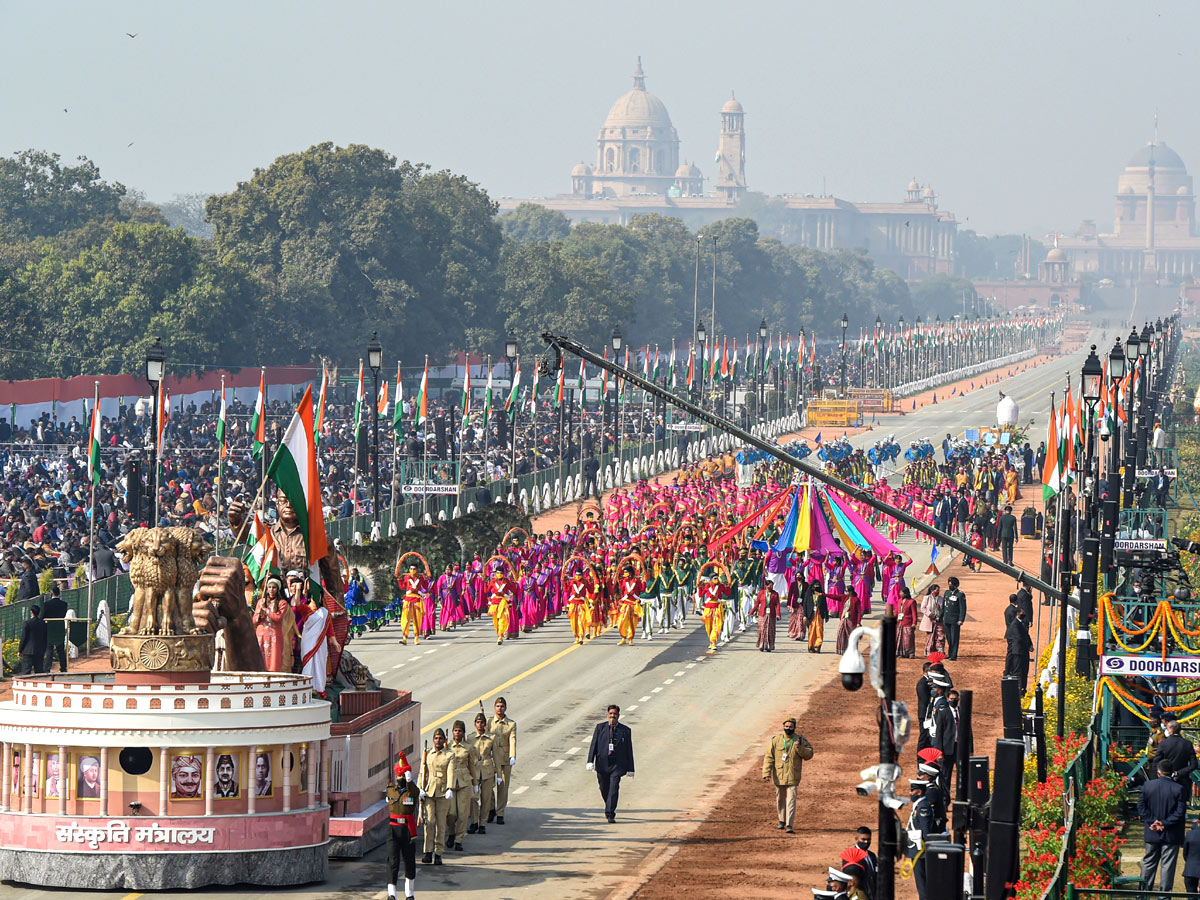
(91, 592)
(424, 447)
(220, 471)
(158, 447)
(396, 444)
(487, 414)
(263, 382)
(362, 398)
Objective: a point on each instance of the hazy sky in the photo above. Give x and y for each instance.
(1020, 114)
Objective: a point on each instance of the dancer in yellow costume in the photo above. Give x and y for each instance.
(630, 606)
(579, 602)
(500, 594)
(712, 608)
(416, 593)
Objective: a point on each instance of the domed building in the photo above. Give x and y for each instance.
(637, 151)
(1154, 224)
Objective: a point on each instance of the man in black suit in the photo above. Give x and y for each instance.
(1179, 751)
(32, 648)
(1191, 859)
(611, 756)
(55, 608)
(1162, 807)
(1006, 530)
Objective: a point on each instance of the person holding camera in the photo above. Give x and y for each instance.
(783, 764)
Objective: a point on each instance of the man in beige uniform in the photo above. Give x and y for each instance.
(782, 764)
(464, 783)
(489, 764)
(437, 774)
(504, 733)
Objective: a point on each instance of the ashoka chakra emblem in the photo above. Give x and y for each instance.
(154, 654)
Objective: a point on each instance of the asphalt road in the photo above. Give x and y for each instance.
(692, 716)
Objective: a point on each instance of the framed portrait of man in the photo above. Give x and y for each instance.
(87, 776)
(225, 777)
(262, 774)
(55, 786)
(187, 777)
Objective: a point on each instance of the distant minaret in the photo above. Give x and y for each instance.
(731, 152)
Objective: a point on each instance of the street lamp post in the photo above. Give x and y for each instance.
(875, 353)
(1131, 358)
(375, 361)
(699, 362)
(901, 357)
(510, 351)
(845, 324)
(760, 376)
(1144, 346)
(156, 364)
(617, 341)
(1092, 384)
(800, 369)
(1108, 511)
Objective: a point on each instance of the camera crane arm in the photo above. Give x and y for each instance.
(561, 345)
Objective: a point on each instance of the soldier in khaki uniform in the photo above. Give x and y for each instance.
(782, 764)
(489, 765)
(465, 784)
(504, 733)
(437, 774)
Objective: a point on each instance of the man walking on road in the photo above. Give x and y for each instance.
(782, 764)
(1016, 661)
(610, 756)
(1006, 530)
(504, 733)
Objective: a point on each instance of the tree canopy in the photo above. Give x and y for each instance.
(324, 246)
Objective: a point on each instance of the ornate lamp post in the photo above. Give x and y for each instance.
(156, 365)
(845, 325)
(374, 362)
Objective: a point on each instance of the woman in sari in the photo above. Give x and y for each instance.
(1011, 480)
(268, 624)
(931, 620)
(767, 610)
(906, 625)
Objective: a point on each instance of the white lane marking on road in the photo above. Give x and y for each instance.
(557, 763)
(631, 708)
(656, 690)
(522, 789)
(574, 750)
(434, 650)
(690, 666)
(397, 666)
(669, 681)
(700, 659)
(643, 699)
(680, 672)
(539, 776)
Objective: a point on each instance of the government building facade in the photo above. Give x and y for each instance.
(637, 170)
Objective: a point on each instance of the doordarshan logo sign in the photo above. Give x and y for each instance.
(1152, 666)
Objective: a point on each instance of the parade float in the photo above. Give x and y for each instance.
(163, 774)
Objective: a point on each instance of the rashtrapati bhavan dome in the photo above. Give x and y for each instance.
(637, 170)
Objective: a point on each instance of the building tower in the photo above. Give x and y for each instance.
(731, 151)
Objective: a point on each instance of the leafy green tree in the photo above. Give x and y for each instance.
(40, 197)
(186, 211)
(108, 304)
(532, 223)
(549, 289)
(348, 242)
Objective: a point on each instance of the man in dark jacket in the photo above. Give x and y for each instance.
(610, 756)
(104, 562)
(32, 648)
(591, 466)
(954, 613)
(1006, 531)
(1016, 661)
(1162, 807)
(1179, 751)
(56, 608)
(28, 588)
(1191, 859)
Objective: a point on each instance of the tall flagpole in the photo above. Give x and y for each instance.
(220, 472)
(425, 447)
(399, 411)
(92, 530)
(487, 423)
(158, 445)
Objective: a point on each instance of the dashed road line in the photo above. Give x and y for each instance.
(690, 666)
(397, 666)
(656, 690)
(631, 708)
(520, 790)
(680, 672)
(669, 681)
(573, 750)
(643, 699)
(557, 763)
(538, 777)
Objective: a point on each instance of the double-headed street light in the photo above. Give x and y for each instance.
(760, 376)
(374, 362)
(511, 350)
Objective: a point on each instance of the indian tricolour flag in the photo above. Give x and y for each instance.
(466, 397)
(1051, 471)
(423, 395)
(320, 423)
(258, 423)
(263, 557)
(510, 405)
(221, 443)
(294, 471)
(398, 410)
(94, 446)
(359, 399)
(487, 398)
